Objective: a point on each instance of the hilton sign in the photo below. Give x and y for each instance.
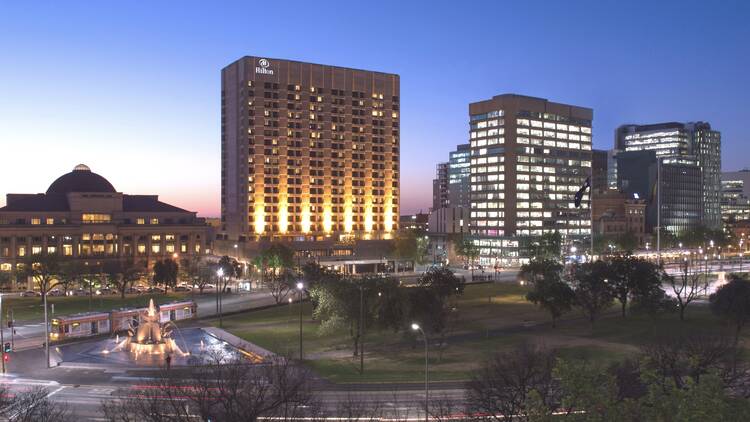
(262, 67)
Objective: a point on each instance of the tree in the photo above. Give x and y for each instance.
(122, 274)
(548, 290)
(231, 268)
(234, 391)
(338, 306)
(469, 251)
(165, 272)
(547, 246)
(45, 270)
(635, 278)
(409, 245)
(503, 388)
(688, 286)
(276, 263)
(442, 281)
(593, 293)
(731, 302)
(32, 405)
(71, 273)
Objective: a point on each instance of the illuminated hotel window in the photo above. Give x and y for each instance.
(154, 221)
(50, 221)
(141, 248)
(36, 250)
(155, 248)
(170, 248)
(36, 221)
(21, 251)
(140, 221)
(183, 248)
(95, 218)
(67, 250)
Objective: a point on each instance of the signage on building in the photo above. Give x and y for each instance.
(263, 67)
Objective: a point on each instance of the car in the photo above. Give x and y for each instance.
(182, 289)
(55, 292)
(155, 289)
(106, 291)
(81, 292)
(30, 293)
(133, 291)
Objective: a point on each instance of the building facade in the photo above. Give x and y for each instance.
(529, 156)
(309, 151)
(679, 192)
(735, 196)
(682, 142)
(615, 214)
(82, 217)
(440, 192)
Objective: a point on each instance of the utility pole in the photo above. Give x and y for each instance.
(361, 330)
(46, 328)
(2, 339)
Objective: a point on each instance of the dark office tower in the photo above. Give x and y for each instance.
(440, 196)
(690, 142)
(308, 151)
(529, 156)
(599, 170)
(458, 176)
(680, 189)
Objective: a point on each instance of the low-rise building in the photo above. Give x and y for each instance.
(82, 217)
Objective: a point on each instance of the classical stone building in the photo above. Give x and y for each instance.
(82, 216)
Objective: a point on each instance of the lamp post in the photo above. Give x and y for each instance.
(2, 340)
(300, 286)
(219, 274)
(416, 327)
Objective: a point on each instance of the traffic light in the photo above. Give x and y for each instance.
(6, 357)
(7, 348)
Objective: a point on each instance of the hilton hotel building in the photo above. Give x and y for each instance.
(529, 156)
(309, 152)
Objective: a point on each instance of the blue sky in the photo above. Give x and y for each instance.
(132, 89)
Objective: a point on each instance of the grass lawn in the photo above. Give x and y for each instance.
(489, 317)
(30, 309)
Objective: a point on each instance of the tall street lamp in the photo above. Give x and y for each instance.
(300, 286)
(416, 327)
(219, 274)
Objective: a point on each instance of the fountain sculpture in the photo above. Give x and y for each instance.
(150, 336)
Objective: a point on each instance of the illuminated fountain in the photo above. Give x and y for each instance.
(151, 337)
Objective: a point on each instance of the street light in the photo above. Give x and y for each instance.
(416, 327)
(573, 249)
(300, 286)
(219, 275)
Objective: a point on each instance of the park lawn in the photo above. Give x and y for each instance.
(30, 309)
(399, 357)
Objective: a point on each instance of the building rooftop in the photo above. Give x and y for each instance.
(81, 179)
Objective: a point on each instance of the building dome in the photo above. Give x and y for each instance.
(81, 179)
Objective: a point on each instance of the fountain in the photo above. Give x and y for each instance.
(150, 336)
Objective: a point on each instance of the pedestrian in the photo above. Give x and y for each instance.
(168, 361)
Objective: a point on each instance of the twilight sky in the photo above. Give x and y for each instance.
(133, 90)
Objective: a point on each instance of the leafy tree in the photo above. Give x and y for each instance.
(593, 293)
(338, 306)
(165, 272)
(442, 281)
(231, 268)
(122, 274)
(731, 302)
(6, 280)
(548, 290)
(276, 263)
(411, 246)
(635, 278)
(389, 304)
(428, 308)
(547, 246)
(71, 273)
(45, 270)
(468, 251)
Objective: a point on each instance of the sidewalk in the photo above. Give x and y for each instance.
(256, 353)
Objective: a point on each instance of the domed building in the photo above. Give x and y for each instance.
(82, 217)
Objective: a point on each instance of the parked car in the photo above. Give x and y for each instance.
(107, 291)
(182, 289)
(133, 291)
(30, 293)
(81, 292)
(155, 289)
(55, 292)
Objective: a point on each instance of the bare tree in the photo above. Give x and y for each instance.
(502, 388)
(688, 286)
(31, 406)
(221, 390)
